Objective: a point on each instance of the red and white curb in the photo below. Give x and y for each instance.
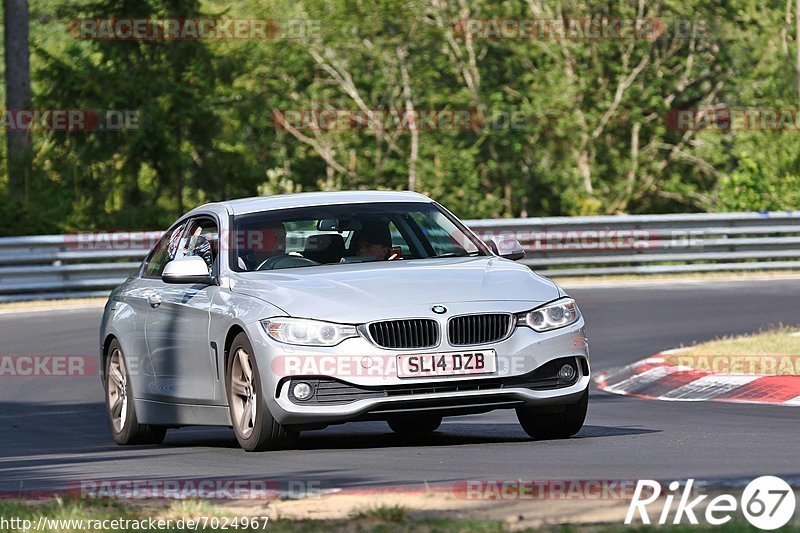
(656, 379)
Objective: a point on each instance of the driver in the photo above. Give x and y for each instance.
(374, 240)
(261, 244)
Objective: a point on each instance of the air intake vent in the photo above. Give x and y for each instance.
(412, 333)
(478, 329)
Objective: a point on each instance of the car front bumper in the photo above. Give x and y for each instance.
(380, 395)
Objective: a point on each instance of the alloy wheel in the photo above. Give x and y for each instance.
(117, 390)
(244, 400)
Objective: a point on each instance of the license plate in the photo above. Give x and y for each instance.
(447, 364)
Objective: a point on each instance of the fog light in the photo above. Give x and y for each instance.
(302, 391)
(566, 373)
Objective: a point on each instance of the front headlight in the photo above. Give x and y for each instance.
(551, 316)
(307, 332)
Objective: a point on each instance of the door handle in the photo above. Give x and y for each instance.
(154, 299)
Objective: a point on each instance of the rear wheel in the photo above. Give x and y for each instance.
(125, 428)
(543, 423)
(415, 424)
(255, 428)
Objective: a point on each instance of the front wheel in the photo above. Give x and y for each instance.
(255, 428)
(546, 423)
(125, 428)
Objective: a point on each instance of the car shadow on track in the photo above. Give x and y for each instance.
(456, 431)
(377, 435)
(42, 429)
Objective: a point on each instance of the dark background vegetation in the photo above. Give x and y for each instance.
(594, 139)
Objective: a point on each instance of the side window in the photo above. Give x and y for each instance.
(201, 240)
(163, 253)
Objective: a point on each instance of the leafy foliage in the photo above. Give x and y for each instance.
(590, 131)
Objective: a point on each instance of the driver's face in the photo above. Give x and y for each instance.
(375, 250)
(273, 243)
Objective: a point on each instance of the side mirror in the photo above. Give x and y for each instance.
(506, 247)
(190, 269)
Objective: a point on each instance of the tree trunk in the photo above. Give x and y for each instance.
(797, 40)
(18, 94)
(414, 127)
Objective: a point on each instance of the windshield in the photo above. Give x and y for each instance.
(350, 233)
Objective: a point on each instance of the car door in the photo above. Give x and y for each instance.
(136, 298)
(177, 325)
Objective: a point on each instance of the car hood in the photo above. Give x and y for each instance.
(363, 292)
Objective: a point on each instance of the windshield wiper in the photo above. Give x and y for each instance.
(359, 259)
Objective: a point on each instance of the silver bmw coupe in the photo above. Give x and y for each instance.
(280, 314)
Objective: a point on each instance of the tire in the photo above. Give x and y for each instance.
(542, 424)
(120, 409)
(415, 424)
(255, 428)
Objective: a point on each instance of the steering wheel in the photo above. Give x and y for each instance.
(286, 261)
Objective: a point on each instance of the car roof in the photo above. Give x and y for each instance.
(308, 199)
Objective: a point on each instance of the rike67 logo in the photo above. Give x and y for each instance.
(767, 502)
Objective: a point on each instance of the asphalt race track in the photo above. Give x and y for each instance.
(53, 431)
